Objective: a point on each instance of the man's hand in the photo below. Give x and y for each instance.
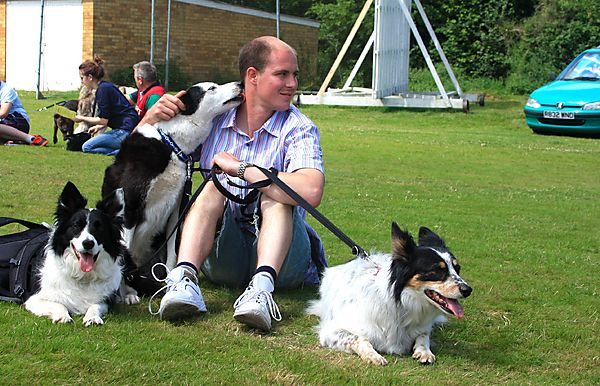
(164, 109)
(308, 183)
(227, 163)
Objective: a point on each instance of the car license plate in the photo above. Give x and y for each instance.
(559, 114)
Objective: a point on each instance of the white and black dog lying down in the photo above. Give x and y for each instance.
(152, 174)
(389, 303)
(83, 260)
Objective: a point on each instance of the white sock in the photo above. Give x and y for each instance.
(263, 281)
(30, 139)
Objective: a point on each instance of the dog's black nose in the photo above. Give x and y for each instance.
(88, 244)
(465, 290)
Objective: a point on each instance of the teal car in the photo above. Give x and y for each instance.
(570, 104)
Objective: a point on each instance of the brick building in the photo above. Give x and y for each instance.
(205, 38)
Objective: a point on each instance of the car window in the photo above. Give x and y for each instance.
(586, 68)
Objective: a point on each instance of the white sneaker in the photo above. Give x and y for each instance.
(255, 308)
(183, 297)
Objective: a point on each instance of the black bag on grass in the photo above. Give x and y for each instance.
(20, 255)
(76, 141)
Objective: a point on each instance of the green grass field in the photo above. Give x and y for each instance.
(520, 211)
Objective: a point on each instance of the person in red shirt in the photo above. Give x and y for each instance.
(149, 88)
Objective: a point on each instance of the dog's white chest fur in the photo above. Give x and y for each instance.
(63, 282)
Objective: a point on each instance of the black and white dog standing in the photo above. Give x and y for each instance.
(83, 260)
(388, 303)
(151, 167)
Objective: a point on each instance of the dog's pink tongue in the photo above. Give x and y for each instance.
(86, 262)
(456, 308)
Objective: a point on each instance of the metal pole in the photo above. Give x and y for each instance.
(417, 36)
(438, 47)
(167, 48)
(360, 60)
(278, 17)
(38, 93)
(152, 33)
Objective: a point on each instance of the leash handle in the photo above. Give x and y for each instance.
(250, 197)
(272, 177)
(356, 249)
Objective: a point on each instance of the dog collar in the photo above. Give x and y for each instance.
(174, 148)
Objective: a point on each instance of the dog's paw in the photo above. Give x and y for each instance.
(375, 358)
(130, 299)
(425, 357)
(92, 320)
(61, 317)
(127, 294)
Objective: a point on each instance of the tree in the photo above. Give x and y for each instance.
(551, 39)
(337, 19)
(475, 35)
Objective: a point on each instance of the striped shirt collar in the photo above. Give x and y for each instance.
(273, 125)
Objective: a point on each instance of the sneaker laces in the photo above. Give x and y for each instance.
(166, 280)
(260, 296)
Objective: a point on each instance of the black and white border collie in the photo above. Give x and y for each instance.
(83, 260)
(152, 173)
(389, 303)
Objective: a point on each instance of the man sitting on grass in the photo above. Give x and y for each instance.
(266, 243)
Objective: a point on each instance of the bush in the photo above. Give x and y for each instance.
(421, 80)
(122, 77)
(550, 40)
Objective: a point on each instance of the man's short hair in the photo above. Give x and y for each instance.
(256, 54)
(146, 70)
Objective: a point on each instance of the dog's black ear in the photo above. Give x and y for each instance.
(69, 202)
(428, 238)
(191, 99)
(401, 270)
(113, 204)
(403, 245)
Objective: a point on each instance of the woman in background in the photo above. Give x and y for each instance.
(114, 111)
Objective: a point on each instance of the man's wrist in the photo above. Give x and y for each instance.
(242, 169)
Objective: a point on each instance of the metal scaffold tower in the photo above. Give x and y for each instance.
(390, 41)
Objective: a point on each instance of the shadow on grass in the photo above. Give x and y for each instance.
(455, 341)
(219, 300)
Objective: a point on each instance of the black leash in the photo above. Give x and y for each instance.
(187, 201)
(272, 177)
(59, 103)
(250, 197)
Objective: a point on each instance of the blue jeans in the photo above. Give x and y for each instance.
(232, 261)
(108, 143)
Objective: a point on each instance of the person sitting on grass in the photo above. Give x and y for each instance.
(149, 89)
(14, 121)
(114, 111)
(267, 243)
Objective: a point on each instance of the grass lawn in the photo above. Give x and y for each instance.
(520, 211)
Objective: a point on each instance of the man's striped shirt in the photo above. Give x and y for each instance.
(288, 141)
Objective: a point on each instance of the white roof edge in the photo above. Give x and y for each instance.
(253, 12)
